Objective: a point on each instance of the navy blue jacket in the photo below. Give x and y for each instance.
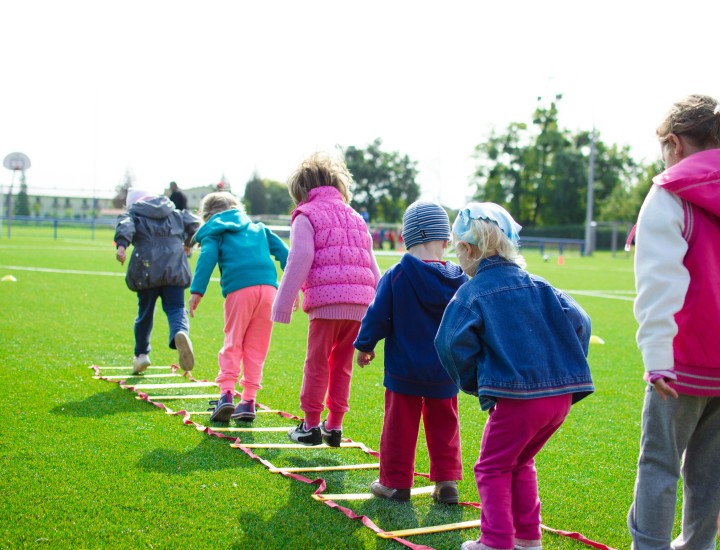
(406, 312)
(508, 333)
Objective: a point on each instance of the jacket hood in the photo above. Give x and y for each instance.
(229, 220)
(433, 283)
(155, 207)
(695, 179)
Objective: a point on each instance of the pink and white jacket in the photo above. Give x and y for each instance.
(677, 272)
(330, 259)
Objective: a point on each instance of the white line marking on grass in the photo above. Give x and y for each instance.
(67, 271)
(608, 294)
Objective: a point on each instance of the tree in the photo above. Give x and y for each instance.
(539, 172)
(22, 203)
(384, 181)
(279, 200)
(121, 189)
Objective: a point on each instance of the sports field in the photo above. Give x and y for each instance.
(86, 464)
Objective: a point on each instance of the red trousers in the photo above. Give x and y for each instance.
(328, 370)
(400, 434)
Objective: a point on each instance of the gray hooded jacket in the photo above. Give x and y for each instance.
(157, 232)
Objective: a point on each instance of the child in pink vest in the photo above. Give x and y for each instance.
(332, 262)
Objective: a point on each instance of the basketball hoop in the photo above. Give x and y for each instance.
(16, 161)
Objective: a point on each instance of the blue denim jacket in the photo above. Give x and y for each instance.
(508, 333)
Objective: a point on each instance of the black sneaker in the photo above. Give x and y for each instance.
(304, 436)
(223, 408)
(332, 438)
(244, 411)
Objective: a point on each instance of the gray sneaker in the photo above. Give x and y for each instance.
(185, 351)
(140, 363)
(379, 490)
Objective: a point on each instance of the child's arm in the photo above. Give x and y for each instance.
(278, 248)
(578, 318)
(191, 223)
(377, 323)
(193, 303)
(300, 259)
(120, 254)
(459, 344)
(364, 358)
(206, 262)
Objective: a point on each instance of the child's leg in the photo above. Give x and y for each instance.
(257, 339)
(237, 310)
(399, 439)
(340, 371)
(144, 321)
(525, 499)
(515, 429)
(321, 335)
(666, 434)
(701, 483)
(442, 433)
(173, 303)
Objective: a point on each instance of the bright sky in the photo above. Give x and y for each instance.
(189, 91)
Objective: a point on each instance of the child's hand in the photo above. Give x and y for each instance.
(193, 304)
(664, 390)
(364, 357)
(120, 254)
(296, 303)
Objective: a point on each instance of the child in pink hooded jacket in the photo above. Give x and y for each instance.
(332, 262)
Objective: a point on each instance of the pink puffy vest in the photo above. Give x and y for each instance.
(340, 272)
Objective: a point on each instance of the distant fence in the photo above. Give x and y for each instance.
(549, 242)
(42, 227)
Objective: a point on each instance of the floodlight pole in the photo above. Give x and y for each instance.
(590, 198)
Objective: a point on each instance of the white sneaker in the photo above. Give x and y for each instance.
(140, 363)
(185, 351)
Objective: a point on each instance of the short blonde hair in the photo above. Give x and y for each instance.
(319, 170)
(218, 201)
(490, 241)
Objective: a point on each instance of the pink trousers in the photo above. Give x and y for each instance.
(400, 435)
(328, 370)
(515, 432)
(248, 327)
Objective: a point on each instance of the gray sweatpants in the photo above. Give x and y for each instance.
(691, 425)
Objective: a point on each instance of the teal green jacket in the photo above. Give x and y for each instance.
(241, 248)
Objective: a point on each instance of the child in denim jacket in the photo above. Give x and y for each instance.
(519, 345)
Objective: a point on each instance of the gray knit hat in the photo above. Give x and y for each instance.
(425, 221)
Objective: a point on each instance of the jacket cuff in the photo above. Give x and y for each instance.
(282, 317)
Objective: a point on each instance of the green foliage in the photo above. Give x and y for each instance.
(22, 203)
(384, 181)
(264, 196)
(540, 172)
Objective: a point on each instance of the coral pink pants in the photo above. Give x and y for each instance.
(248, 327)
(505, 472)
(328, 370)
(400, 435)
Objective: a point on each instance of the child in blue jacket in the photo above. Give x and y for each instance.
(406, 312)
(520, 345)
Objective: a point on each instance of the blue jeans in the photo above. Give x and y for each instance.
(173, 304)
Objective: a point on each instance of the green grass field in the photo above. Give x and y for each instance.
(86, 464)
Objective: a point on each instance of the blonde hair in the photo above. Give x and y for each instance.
(491, 241)
(218, 201)
(697, 117)
(319, 170)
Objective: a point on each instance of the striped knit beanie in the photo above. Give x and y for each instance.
(425, 221)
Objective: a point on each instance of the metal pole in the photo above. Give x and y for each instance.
(589, 248)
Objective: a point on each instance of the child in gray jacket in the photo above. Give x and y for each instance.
(158, 268)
